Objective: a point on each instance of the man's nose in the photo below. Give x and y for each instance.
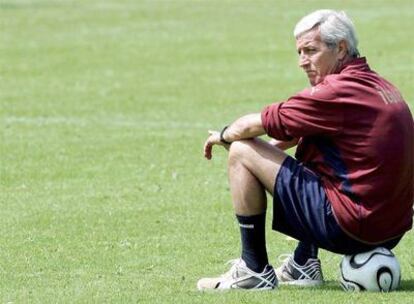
(303, 60)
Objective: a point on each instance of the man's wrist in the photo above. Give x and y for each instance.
(222, 136)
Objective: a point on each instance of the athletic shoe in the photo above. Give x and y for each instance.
(308, 275)
(241, 277)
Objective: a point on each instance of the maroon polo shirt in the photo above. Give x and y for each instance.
(355, 131)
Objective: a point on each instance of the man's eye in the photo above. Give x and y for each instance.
(307, 51)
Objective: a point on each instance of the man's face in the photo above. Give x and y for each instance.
(315, 58)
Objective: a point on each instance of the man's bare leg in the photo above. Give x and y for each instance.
(252, 168)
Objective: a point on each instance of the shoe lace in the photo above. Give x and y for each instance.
(234, 265)
(238, 263)
(233, 261)
(284, 257)
(311, 270)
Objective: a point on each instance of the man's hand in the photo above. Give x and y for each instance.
(213, 139)
(247, 126)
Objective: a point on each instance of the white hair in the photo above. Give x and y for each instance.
(334, 27)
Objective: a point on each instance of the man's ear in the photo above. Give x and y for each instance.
(342, 49)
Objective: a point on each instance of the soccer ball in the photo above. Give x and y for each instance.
(375, 270)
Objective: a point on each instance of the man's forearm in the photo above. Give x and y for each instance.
(247, 126)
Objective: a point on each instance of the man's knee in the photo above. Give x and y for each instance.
(238, 150)
(259, 157)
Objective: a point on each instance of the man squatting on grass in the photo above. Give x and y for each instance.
(350, 188)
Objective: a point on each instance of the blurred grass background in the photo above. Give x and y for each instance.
(105, 105)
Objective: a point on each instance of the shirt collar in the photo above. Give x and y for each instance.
(356, 64)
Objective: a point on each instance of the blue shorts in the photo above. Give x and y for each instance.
(302, 211)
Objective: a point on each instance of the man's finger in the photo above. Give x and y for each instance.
(207, 151)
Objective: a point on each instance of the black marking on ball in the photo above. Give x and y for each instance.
(356, 265)
(379, 273)
(361, 288)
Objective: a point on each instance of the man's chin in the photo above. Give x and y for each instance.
(314, 81)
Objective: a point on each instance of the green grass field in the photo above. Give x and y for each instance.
(104, 193)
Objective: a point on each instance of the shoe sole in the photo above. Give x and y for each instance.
(302, 283)
(229, 289)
